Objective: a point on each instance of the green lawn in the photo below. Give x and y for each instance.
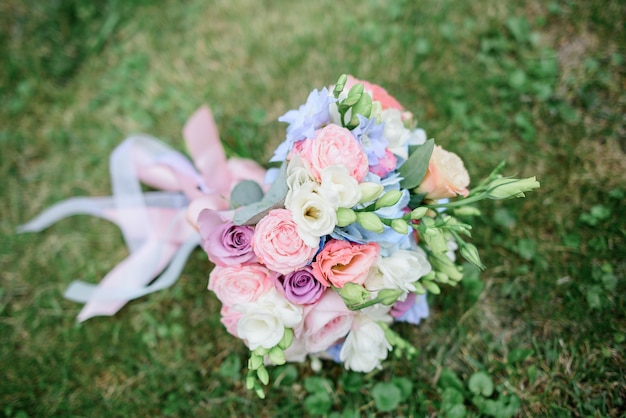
(538, 84)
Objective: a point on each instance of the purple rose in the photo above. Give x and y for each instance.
(301, 287)
(228, 244)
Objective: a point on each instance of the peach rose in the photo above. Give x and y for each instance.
(278, 245)
(446, 176)
(334, 145)
(342, 262)
(378, 93)
(240, 284)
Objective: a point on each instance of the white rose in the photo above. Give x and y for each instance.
(395, 132)
(339, 188)
(313, 215)
(365, 347)
(403, 268)
(263, 322)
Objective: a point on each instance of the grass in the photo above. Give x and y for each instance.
(538, 85)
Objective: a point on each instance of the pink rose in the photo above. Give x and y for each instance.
(240, 284)
(334, 145)
(230, 319)
(278, 245)
(342, 262)
(385, 164)
(446, 176)
(326, 322)
(378, 93)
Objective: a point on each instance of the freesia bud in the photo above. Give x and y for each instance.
(507, 188)
(470, 253)
(431, 287)
(263, 375)
(345, 217)
(400, 226)
(466, 211)
(388, 199)
(370, 221)
(287, 339)
(440, 262)
(389, 296)
(277, 356)
(370, 191)
(353, 294)
(418, 213)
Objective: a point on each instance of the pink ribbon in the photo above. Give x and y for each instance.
(159, 227)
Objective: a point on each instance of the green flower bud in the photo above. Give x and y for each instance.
(388, 199)
(255, 361)
(470, 253)
(400, 226)
(435, 239)
(506, 188)
(363, 107)
(287, 339)
(369, 191)
(441, 278)
(345, 216)
(340, 84)
(418, 213)
(431, 287)
(354, 95)
(277, 356)
(443, 264)
(250, 380)
(353, 294)
(466, 211)
(419, 289)
(389, 296)
(263, 375)
(370, 221)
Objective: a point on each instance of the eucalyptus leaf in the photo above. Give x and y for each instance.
(273, 199)
(246, 192)
(414, 169)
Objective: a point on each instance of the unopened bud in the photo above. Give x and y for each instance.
(470, 253)
(506, 188)
(370, 191)
(418, 213)
(287, 339)
(431, 287)
(389, 296)
(388, 199)
(400, 226)
(467, 211)
(277, 356)
(345, 216)
(353, 294)
(370, 221)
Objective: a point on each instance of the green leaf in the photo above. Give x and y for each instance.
(414, 169)
(231, 367)
(481, 384)
(318, 403)
(448, 379)
(245, 193)
(457, 411)
(518, 355)
(317, 384)
(274, 198)
(405, 386)
(351, 382)
(451, 397)
(387, 396)
(284, 375)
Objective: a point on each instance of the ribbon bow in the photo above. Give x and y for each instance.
(159, 227)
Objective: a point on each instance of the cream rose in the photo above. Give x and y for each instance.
(446, 176)
(403, 268)
(365, 347)
(339, 187)
(313, 214)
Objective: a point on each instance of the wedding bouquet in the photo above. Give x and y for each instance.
(358, 220)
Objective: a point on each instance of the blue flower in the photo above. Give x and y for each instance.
(417, 312)
(370, 135)
(334, 351)
(303, 122)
